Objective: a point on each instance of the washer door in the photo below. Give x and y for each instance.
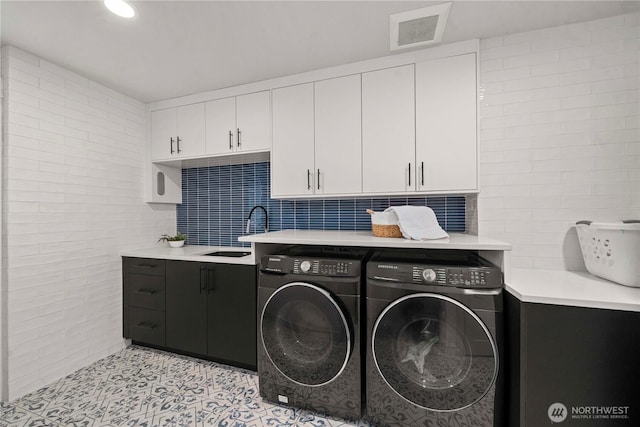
(434, 352)
(305, 334)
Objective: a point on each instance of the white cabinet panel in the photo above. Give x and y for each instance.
(178, 132)
(239, 124)
(163, 134)
(388, 130)
(338, 139)
(292, 161)
(220, 125)
(446, 124)
(190, 140)
(253, 115)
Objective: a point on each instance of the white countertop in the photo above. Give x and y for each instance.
(366, 239)
(572, 288)
(193, 253)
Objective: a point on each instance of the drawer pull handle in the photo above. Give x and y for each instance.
(146, 291)
(144, 325)
(145, 266)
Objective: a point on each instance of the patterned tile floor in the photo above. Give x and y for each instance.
(141, 387)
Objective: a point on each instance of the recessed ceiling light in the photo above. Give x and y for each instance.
(120, 8)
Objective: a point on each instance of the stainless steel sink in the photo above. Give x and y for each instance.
(231, 254)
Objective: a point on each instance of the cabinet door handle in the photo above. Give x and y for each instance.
(146, 291)
(171, 144)
(178, 144)
(318, 179)
(203, 279)
(210, 280)
(144, 325)
(308, 179)
(230, 140)
(239, 143)
(422, 174)
(409, 174)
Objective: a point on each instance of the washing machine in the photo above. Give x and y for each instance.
(434, 339)
(309, 334)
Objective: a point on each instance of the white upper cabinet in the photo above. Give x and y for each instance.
(239, 124)
(446, 124)
(253, 122)
(221, 125)
(388, 130)
(317, 139)
(178, 132)
(401, 125)
(338, 137)
(292, 156)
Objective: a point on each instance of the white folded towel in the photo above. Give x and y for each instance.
(418, 222)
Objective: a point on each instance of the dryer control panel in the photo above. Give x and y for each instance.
(470, 271)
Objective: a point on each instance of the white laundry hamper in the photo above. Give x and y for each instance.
(611, 250)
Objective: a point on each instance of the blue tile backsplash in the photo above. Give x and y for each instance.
(216, 201)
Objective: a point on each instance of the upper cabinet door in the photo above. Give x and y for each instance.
(388, 130)
(220, 119)
(292, 165)
(190, 125)
(446, 124)
(177, 132)
(338, 137)
(253, 116)
(163, 134)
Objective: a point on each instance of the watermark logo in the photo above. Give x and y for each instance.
(557, 412)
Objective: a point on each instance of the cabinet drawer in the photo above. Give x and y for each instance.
(145, 291)
(150, 266)
(147, 326)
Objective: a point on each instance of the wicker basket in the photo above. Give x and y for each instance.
(384, 224)
(386, 230)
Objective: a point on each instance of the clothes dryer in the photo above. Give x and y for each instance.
(309, 349)
(434, 339)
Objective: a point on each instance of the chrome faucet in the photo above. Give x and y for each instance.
(266, 219)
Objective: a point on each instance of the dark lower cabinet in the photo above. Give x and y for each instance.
(143, 291)
(186, 307)
(231, 314)
(572, 366)
(196, 308)
(211, 310)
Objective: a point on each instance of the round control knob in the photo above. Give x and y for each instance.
(429, 275)
(305, 266)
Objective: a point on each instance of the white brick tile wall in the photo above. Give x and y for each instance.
(74, 168)
(559, 136)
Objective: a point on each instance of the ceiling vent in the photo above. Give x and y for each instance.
(419, 27)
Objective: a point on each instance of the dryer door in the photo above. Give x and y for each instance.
(306, 334)
(434, 352)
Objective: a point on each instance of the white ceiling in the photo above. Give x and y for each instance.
(177, 48)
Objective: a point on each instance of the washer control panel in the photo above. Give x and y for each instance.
(311, 266)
